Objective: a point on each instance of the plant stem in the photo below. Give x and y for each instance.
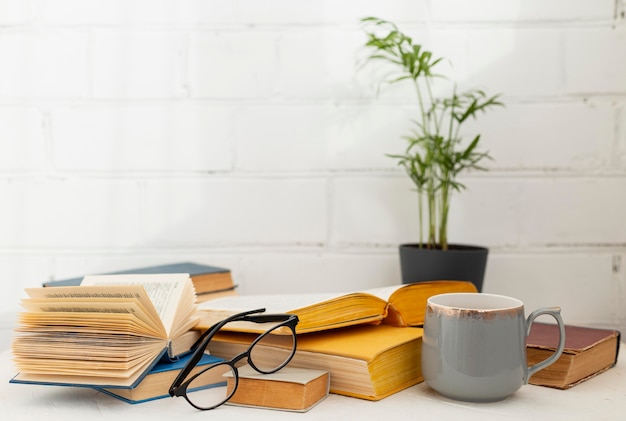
(432, 212)
(443, 225)
(420, 200)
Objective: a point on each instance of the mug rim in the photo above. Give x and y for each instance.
(514, 302)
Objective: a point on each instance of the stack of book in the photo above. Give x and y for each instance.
(128, 334)
(369, 342)
(108, 332)
(96, 335)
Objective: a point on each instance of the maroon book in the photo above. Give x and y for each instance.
(588, 352)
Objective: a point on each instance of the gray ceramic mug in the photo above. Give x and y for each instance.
(474, 345)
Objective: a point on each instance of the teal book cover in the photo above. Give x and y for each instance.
(156, 383)
(193, 269)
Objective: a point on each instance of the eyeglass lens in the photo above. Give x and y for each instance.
(214, 386)
(210, 389)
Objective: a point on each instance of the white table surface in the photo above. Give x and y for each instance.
(600, 398)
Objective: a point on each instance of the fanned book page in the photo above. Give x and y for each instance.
(107, 332)
(164, 291)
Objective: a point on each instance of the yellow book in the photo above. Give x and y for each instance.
(398, 305)
(365, 361)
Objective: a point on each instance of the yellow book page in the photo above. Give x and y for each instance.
(407, 305)
(96, 312)
(114, 378)
(398, 305)
(115, 300)
(84, 323)
(315, 311)
(164, 292)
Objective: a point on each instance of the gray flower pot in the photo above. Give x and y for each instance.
(458, 263)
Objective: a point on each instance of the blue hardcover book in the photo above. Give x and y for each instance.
(207, 280)
(156, 383)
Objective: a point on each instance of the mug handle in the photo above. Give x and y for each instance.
(555, 312)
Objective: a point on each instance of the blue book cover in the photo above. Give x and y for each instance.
(193, 269)
(156, 383)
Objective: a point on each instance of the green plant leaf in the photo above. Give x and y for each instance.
(435, 154)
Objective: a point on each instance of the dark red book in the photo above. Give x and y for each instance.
(588, 352)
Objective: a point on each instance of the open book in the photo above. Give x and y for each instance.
(398, 305)
(365, 361)
(108, 332)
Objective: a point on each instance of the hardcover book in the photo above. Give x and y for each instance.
(588, 352)
(398, 305)
(209, 281)
(108, 332)
(157, 382)
(365, 361)
(289, 389)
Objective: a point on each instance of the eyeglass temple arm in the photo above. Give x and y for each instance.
(268, 318)
(217, 326)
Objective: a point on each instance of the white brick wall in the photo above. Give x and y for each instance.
(137, 132)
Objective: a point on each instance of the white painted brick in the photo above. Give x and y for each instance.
(373, 211)
(384, 211)
(536, 212)
(578, 282)
(543, 136)
(620, 158)
(312, 137)
(221, 12)
(17, 272)
(116, 12)
(304, 12)
(489, 212)
(236, 212)
(74, 214)
(138, 64)
(43, 65)
(15, 12)
(540, 212)
(595, 62)
(521, 10)
(306, 273)
(22, 139)
(233, 64)
(574, 211)
(515, 62)
(319, 63)
(176, 137)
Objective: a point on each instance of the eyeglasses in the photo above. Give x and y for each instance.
(207, 389)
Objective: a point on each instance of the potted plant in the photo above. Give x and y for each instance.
(436, 154)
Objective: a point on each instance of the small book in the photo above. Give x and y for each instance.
(108, 332)
(157, 382)
(364, 361)
(289, 389)
(397, 305)
(588, 352)
(209, 281)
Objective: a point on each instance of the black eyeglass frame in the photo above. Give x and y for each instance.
(181, 383)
